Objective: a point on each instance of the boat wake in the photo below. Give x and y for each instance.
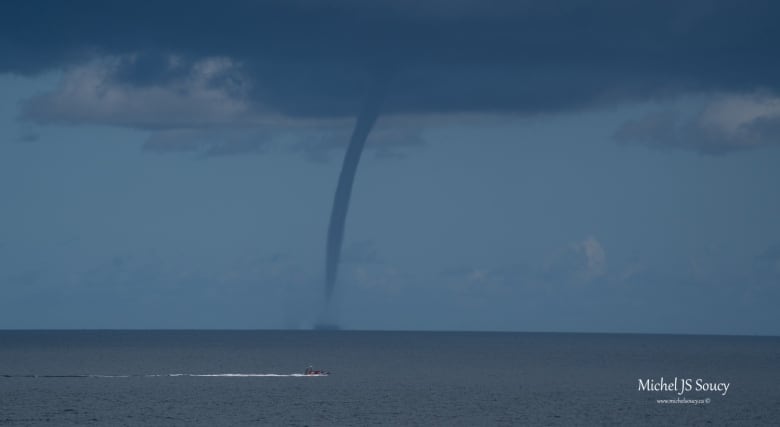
(164, 375)
(231, 375)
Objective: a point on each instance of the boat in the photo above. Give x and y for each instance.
(315, 372)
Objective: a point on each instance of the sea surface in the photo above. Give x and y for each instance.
(236, 378)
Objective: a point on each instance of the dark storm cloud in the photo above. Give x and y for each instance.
(315, 59)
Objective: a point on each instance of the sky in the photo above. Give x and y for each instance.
(536, 166)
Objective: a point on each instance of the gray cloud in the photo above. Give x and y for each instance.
(387, 141)
(567, 268)
(726, 123)
(211, 92)
(199, 106)
(579, 262)
(317, 144)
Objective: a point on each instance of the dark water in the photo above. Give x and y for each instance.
(105, 378)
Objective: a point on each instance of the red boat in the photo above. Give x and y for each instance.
(315, 372)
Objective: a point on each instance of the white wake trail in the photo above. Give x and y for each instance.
(163, 375)
(231, 375)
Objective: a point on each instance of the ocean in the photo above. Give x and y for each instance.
(247, 378)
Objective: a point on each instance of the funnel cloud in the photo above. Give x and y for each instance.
(338, 216)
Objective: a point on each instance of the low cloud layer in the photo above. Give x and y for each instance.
(265, 65)
(207, 93)
(726, 123)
